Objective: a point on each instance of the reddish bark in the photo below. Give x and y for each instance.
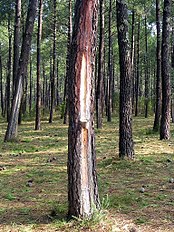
(82, 179)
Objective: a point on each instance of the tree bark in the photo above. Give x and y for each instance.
(83, 195)
(146, 71)
(110, 67)
(138, 70)
(165, 67)
(16, 41)
(158, 70)
(125, 126)
(1, 85)
(54, 64)
(100, 83)
(133, 57)
(9, 65)
(12, 127)
(38, 91)
(68, 62)
(31, 86)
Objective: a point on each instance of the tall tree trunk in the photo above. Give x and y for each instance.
(165, 67)
(8, 92)
(100, 83)
(158, 70)
(125, 126)
(146, 72)
(31, 86)
(138, 70)
(44, 89)
(38, 91)
(82, 180)
(133, 56)
(12, 127)
(16, 41)
(110, 67)
(54, 64)
(1, 85)
(68, 62)
(57, 84)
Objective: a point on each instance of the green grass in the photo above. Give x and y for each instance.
(24, 208)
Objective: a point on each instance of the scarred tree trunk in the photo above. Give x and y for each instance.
(12, 127)
(100, 83)
(165, 67)
(82, 178)
(125, 126)
(158, 70)
(38, 91)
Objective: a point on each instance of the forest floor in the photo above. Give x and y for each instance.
(41, 156)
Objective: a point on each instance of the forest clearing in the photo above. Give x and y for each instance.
(41, 156)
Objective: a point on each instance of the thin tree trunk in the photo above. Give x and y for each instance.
(146, 72)
(38, 91)
(100, 84)
(54, 65)
(165, 67)
(12, 127)
(125, 126)
(138, 70)
(158, 70)
(1, 86)
(16, 41)
(110, 67)
(68, 63)
(9, 65)
(82, 180)
(133, 57)
(31, 86)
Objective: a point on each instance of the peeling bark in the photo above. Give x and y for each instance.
(82, 179)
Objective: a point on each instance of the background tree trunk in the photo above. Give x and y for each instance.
(12, 127)
(1, 86)
(100, 83)
(16, 41)
(158, 70)
(138, 69)
(165, 56)
(9, 66)
(38, 91)
(125, 126)
(146, 71)
(54, 64)
(110, 67)
(68, 62)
